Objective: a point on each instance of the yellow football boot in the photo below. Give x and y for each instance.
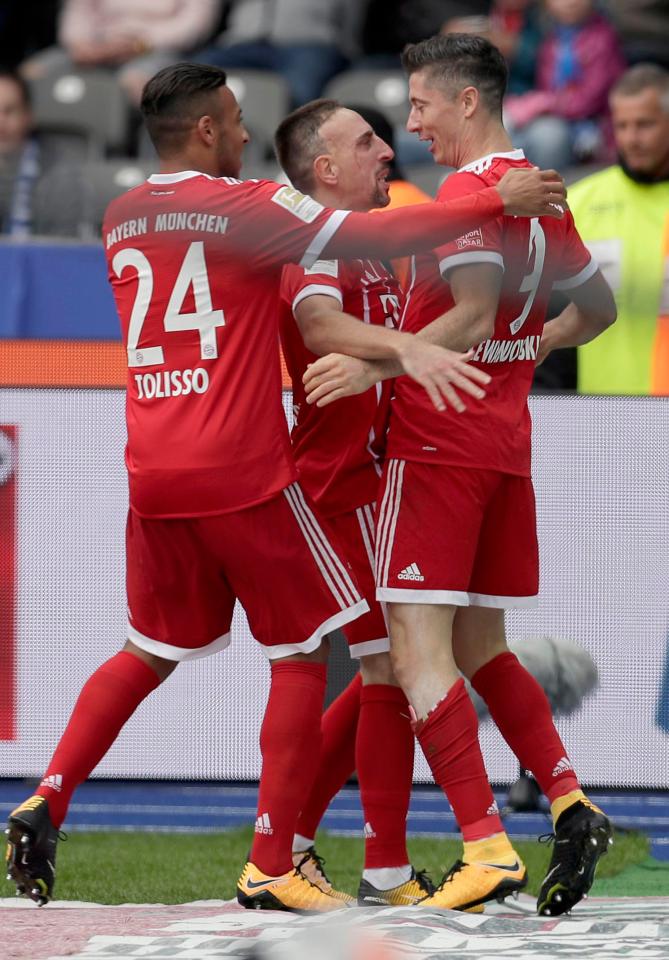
(467, 886)
(312, 867)
(291, 891)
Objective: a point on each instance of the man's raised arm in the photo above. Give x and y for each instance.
(520, 192)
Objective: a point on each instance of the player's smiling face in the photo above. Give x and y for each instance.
(435, 117)
(359, 160)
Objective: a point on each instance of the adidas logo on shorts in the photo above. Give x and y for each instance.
(368, 831)
(263, 825)
(492, 809)
(562, 766)
(410, 573)
(55, 781)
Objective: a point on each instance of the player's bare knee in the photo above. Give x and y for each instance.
(160, 666)
(378, 668)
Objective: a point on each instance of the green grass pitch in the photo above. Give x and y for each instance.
(169, 868)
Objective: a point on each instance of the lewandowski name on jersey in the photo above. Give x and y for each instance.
(195, 264)
(536, 256)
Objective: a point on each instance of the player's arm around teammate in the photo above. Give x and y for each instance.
(353, 368)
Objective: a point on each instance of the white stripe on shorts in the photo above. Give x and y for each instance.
(388, 521)
(365, 517)
(331, 568)
(383, 516)
(339, 567)
(169, 652)
(503, 603)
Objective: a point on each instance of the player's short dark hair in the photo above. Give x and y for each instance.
(297, 141)
(643, 76)
(174, 100)
(457, 60)
(18, 82)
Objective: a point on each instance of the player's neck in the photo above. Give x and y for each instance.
(192, 161)
(491, 139)
(335, 200)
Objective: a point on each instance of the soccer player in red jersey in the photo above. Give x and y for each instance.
(216, 513)
(335, 156)
(456, 528)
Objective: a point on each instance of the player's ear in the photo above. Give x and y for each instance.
(205, 129)
(325, 169)
(469, 98)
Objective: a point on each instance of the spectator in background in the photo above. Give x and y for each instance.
(514, 27)
(306, 41)
(21, 157)
(565, 119)
(25, 28)
(643, 26)
(391, 24)
(622, 213)
(133, 37)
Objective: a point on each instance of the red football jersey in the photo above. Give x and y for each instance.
(337, 448)
(195, 266)
(537, 255)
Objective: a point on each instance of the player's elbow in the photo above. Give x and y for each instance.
(610, 314)
(603, 316)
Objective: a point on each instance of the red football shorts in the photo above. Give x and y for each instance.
(458, 535)
(354, 534)
(183, 576)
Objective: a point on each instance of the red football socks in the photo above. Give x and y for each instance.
(384, 761)
(521, 710)
(449, 740)
(290, 742)
(108, 699)
(337, 759)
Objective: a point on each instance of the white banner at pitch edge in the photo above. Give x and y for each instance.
(602, 482)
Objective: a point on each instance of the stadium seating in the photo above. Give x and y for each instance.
(264, 99)
(85, 104)
(386, 90)
(70, 200)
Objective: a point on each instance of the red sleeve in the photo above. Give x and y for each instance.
(414, 229)
(298, 283)
(576, 263)
(280, 225)
(483, 244)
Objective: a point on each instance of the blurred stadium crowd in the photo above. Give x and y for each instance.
(71, 75)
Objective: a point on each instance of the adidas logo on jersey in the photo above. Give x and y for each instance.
(562, 766)
(368, 831)
(492, 809)
(410, 573)
(263, 825)
(54, 781)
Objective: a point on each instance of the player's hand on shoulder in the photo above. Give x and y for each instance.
(443, 373)
(533, 193)
(335, 376)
